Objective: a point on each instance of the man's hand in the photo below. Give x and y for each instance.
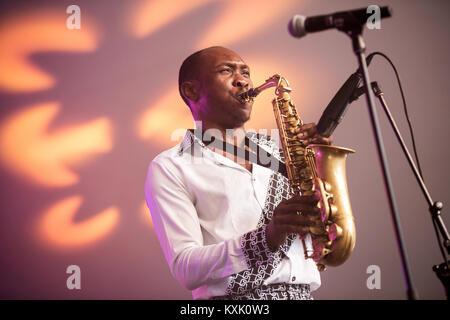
(308, 133)
(294, 215)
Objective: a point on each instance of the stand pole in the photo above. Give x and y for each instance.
(359, 48)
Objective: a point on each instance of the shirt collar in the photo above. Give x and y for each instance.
(192, 136)
(189, 139)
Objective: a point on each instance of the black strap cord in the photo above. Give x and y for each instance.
(254, 156)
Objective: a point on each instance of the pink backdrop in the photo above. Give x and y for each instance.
(83, 112)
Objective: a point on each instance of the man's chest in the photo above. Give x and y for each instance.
(239, 160)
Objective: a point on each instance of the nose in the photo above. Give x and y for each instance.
(241, 82)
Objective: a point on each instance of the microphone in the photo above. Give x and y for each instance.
(300, 25)
(335, 111)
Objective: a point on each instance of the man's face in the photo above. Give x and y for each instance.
(223, 77)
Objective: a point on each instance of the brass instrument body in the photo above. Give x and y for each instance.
(315, 169)
(330, 165)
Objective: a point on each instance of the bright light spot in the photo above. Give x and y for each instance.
(21, 36)
(149, 16)
(163, 117)
(240, 19)
(145, 214)
(56, 226)
(27, 148)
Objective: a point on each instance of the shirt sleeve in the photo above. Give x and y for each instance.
(178, 229)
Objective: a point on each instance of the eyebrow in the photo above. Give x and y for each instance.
(233, 65)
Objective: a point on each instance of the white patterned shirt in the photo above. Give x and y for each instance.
(210, 214)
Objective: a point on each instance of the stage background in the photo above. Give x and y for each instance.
(83, 112)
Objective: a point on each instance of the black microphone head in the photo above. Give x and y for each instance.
(386, 12)
(296, 26)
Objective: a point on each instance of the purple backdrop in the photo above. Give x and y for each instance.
(83, 112)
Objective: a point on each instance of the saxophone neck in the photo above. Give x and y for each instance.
(276, 80)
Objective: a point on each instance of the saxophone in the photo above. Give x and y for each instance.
(315, 169)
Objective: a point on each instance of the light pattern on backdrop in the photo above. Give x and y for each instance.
(28, 149)
(21, 36)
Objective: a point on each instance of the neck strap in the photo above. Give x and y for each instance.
(256, 155)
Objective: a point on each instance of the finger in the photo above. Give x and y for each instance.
(306, 143)
(294, 229)
(301, 208)
(298, 209)
(305, 126)
(301, 199)
(321, 140)
(295, 220)
(308, 127)
(307, 130)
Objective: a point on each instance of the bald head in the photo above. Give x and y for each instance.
(191, 67)
(211, 82)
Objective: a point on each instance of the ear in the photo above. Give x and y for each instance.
(190, 90)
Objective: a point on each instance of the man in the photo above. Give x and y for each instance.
(228, 228)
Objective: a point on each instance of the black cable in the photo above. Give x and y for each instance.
(404, 107)
(413, 142)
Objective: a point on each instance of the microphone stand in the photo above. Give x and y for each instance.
(354, 30)
(442, 271)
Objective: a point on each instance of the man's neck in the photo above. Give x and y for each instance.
(234, 136)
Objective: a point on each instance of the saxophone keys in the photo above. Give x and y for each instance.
(318, 204)
(297, 157)
(299, 164)
(334, 231)
(307, 185)
(333, 210)
(306, 173)
(296, 144)
(287, 108)
(318, 232)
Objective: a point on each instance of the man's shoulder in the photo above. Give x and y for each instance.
(163, 166)
(166, 156)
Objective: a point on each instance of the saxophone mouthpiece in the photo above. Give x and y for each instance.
(273, 81)
(249, 95)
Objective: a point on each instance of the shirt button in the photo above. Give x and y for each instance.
(293, 279)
